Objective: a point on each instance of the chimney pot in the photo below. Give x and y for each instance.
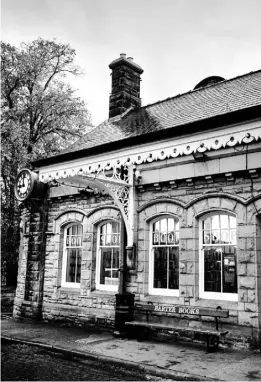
(123, 55)
(130, 58)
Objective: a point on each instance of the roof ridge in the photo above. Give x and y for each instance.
(199, 89)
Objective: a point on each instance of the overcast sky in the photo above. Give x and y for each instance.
(176, 42)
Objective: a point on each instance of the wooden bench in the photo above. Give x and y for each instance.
(142, 328)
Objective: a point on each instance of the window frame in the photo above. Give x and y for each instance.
(214, 295)
(65, 283)
(99, 286)
(151, 289)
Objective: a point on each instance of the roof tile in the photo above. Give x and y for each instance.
(217, 99)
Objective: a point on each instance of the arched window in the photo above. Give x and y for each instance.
(107, 274)
(218, 259)
(164, 259)
(72, 256)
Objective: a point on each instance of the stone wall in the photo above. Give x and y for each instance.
(189, 204)
(60, 303)
(43, 233)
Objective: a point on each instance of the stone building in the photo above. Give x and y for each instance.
(161, 201)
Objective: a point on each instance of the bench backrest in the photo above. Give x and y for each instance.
(184, 310)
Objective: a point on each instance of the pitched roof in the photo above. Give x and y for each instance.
(218, 99)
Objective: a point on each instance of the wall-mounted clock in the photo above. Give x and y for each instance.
(27, 185)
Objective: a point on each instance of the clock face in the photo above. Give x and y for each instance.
(24, 184)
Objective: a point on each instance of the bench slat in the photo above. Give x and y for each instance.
(177, 328)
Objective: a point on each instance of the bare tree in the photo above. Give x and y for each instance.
(41, 114)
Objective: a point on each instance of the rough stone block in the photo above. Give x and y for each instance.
(186, 233)
(190, 291)
(250, 307)
(174, 209)
(182, 290)
(242, 269)
(241, 213)
(190, 244)
(246, 257)
(190, 217)
(247, 231)
(251, 269)
(250, 243)
(247, 282)
(201, 206)
(150, 211)
(190, 267)
(251, 296)
(251, 214)
(244, 318)
(214, 202)
(241, 243)
(228, 204)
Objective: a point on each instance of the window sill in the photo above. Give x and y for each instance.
(69, 289)
(220, 297)
(164, 293)
(103, 292)
(159, 299)
(213, 303)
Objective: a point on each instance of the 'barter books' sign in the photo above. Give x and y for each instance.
(176, 309)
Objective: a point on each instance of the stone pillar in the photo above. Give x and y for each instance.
(29, 293)
(258, 257)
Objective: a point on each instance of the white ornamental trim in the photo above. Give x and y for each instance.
(209, 144)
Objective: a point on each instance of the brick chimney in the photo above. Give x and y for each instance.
(125, 85)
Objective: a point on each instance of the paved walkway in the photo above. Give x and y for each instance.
(172, 360)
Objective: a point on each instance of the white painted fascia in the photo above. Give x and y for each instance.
(211, 140)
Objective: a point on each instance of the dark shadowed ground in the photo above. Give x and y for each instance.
(28, 363)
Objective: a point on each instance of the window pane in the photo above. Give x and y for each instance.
(78, 268)
(160, 267)
(206, 237)
(103, 229)
(232, 222)
(109, 266)
(212, 266)
(171, 225)
(229, 270)
(173, 268)
(207, 224)
(220, 269)
(163, 225)
(171, 237)
(225, 236)
(165, 255)
(163, 237)
(115, 227)
(73, 269)
(177, 237)
(215, 222)
(224, 221)
(233, 236)
(156, 226)
(108, 228)
(215, 237)
(73, 253)
(109, 234)
(156, 236)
